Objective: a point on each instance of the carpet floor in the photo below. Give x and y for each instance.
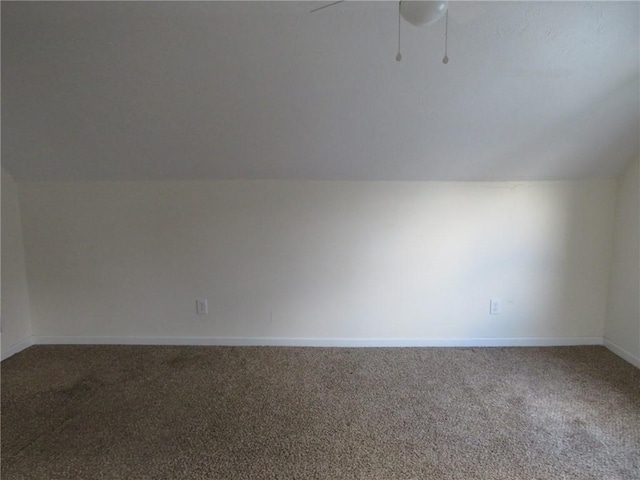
(160, 412)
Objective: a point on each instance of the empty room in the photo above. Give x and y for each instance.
(320, 240)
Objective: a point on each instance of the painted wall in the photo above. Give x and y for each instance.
(318, 259)
(623, 319)
(16, 319)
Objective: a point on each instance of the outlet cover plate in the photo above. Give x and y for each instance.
(495, 306)
(201, 307)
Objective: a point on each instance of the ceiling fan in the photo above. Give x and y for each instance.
(417, 13)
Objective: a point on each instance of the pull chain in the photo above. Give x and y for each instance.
(399, 55)
(445, 60)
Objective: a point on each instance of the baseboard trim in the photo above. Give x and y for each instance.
(16, 348)
(322, 342)
(621, 352)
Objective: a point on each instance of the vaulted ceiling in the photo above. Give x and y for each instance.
(219, 90)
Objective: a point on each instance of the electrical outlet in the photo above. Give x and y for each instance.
(495, 306)
(201, 307)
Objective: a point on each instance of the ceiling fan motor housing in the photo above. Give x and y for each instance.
(423, 12)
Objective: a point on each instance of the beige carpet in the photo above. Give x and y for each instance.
(124, 412)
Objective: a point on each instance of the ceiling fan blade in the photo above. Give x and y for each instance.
(327, 5)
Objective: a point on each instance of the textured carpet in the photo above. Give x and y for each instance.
(124, 412)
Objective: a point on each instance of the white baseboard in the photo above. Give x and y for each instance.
(322, 342)
(16, 348)
(325, 342)
(621, 352)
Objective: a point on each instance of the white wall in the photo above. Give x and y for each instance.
(622, 328)
(314, 260)
(16, 319)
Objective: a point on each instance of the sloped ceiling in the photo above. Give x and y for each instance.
(219, 90)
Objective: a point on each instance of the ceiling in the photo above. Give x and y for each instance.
(213, 90)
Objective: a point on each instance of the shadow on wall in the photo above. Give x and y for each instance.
(428, 260)
(548, 266)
